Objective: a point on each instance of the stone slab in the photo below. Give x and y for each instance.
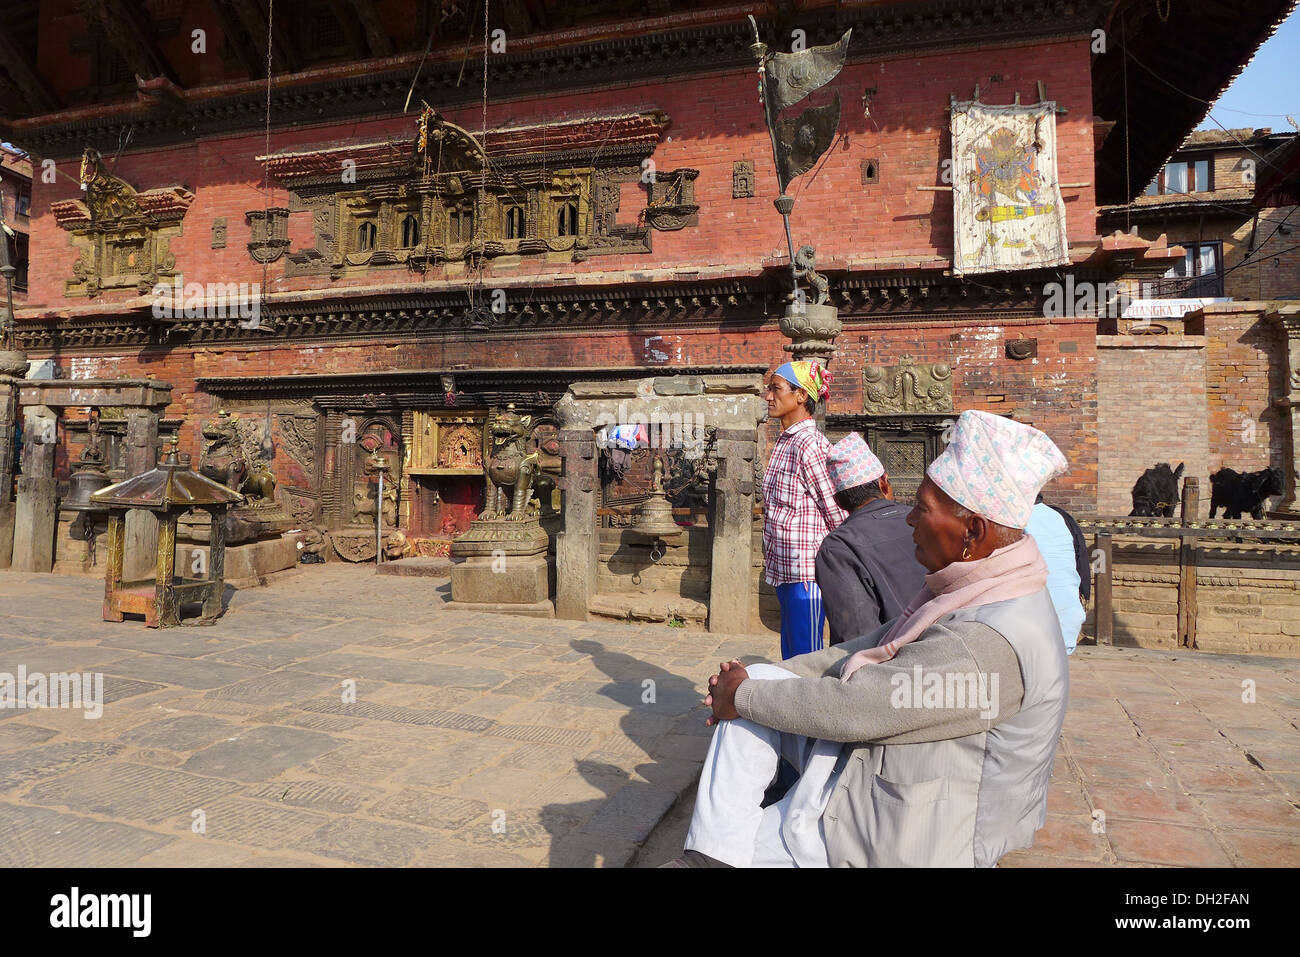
(132, 792)
(246, 562)
(39, 837)
(541, 609)
(418, 567)
(261, 753)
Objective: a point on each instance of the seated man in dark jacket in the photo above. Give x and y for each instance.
(866, 568)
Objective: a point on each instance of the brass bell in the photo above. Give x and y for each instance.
(85, 481)
(655, 520)
(89, 476)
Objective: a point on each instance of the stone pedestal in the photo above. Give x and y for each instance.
(507, 583)
(81, 543)
(500, 565)
(246, 564)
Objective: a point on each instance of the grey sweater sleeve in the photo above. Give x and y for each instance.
(828, 661)
(969, 680)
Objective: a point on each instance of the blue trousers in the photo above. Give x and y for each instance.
(802, 618)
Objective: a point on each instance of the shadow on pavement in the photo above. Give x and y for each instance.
(658, 703)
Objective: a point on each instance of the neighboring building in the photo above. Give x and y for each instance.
(1208, 200)
(624, 212)
(15, 213)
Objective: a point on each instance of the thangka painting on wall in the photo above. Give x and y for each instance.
(1007, 211)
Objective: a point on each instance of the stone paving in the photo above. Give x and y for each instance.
(338, 717)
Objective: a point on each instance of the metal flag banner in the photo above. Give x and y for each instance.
(792, 76)
(1007, 210)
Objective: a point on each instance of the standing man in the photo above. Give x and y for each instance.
(866, 569)
(1068, 568)
(798, 504)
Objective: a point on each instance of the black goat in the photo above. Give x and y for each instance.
(1237, 492)
(1156, 493)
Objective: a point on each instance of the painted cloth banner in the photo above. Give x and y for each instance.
(1007, 210)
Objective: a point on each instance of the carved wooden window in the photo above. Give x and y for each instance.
(567, 220)
(462, 225)
(366, 232)
(515, 222)
(410, 232)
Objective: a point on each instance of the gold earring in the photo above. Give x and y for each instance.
(965, 553)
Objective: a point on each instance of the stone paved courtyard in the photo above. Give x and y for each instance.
(488, 740)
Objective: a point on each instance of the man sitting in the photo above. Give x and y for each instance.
(866, 568)
(928, 742)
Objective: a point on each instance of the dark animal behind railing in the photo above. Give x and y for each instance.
(1156, 491)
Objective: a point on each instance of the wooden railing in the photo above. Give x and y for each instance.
(1189, 533)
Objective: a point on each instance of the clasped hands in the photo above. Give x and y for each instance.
(722, 691)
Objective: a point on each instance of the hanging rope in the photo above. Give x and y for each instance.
(1128, 172)
(266, 201)
(480, 232)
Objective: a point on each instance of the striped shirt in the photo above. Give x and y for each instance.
(798, 504)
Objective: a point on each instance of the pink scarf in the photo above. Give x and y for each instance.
(1013, 571)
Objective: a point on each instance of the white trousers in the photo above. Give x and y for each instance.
(729, 824)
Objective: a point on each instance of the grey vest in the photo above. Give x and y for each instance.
(965, 801)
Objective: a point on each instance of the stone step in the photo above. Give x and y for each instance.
(419, 567)
(648, 606)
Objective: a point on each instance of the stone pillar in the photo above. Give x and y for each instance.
(8, 423)
(36, 512)
(140, 455)
(577, 550)
(812, 329)
(731, 574)
(1287, 319)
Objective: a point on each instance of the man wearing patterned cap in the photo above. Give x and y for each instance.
(866, 569)
(930, 741)
(798, 503)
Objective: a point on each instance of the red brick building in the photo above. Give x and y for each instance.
(621, 203)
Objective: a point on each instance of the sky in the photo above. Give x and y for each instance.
(1269, 85)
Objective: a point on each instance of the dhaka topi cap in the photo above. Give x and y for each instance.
(995, 467)
(809, 376)
(852, 463)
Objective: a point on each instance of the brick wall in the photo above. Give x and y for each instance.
(1055, 391)
(1245, 370)
(1151, 408)
(1245, 605)
(714, 122)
